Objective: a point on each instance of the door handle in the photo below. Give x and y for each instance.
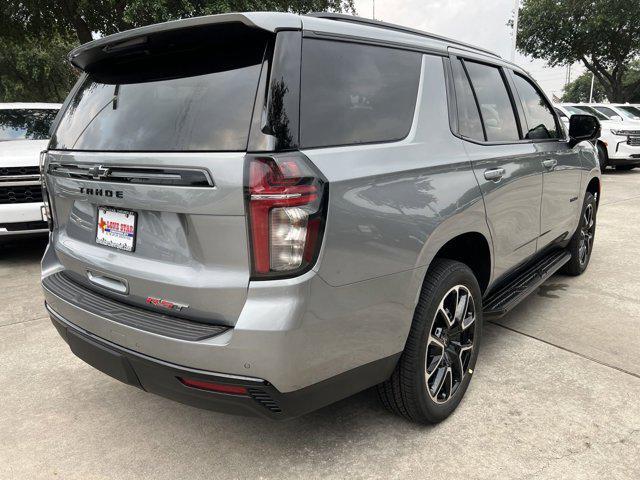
(494, 174)
(550, 163)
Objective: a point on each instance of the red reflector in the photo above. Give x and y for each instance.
(214, 387)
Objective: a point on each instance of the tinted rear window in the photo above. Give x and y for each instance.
(469, 123)
(197, 97)
(356, 93)
(26, 124)
(495, 105)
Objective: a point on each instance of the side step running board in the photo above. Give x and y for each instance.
(501, 301)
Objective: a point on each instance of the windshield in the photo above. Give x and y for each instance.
(635, 111)
(581, 110)
(627, 113)
(26, 124)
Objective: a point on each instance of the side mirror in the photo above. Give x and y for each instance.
(615, 118)
(583, 127)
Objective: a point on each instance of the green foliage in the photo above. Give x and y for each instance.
(578, 91)
(33, 70)
(36, 35)
(604, 35)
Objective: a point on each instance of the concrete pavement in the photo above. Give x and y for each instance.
(556, 395)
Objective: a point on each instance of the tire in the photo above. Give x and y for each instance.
(603, 157)
(582, 238)
(450, 284)
(624, 168)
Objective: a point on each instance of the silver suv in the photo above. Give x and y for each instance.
(263, 213)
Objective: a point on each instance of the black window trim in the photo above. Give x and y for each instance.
(373, 43)
(517, 112)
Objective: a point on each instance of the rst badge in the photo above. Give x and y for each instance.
(166, 304)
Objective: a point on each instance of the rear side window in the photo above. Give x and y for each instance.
(26, 124)
(355, 93)
(495, 104)
(469, 123)
(541, 123)
(189, 97)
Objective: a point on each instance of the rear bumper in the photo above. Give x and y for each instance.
(262, 398)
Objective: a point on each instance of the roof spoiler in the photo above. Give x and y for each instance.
(101, 49)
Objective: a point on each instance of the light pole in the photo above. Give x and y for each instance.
(593, 76)
(374, 9)
(516, 13)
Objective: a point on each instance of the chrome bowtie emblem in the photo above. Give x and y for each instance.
(99, 172)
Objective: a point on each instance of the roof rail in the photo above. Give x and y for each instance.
(390, 26)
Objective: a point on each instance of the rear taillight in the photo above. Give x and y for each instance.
(285, 198)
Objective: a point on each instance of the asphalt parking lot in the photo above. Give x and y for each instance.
(556, 394)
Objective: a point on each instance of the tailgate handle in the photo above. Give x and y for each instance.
(114, 284)
(494, 174)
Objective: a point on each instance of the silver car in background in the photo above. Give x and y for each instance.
(263, 213)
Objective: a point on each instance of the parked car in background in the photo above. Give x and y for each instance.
(615, 113)
(619, 143)
(632, 109)
(24, 133)
(263, 213)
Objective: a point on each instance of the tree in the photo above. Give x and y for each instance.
(580, 89)
(37, 34)
(604, 35)
(34, 71)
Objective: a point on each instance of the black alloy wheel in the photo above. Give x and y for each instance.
(450, 344)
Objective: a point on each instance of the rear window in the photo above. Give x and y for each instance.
(355, 93)
(469, 123)
(185, 97)
(26, 124)
(495, 105)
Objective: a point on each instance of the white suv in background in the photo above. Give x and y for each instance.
(24, 133)
(615, 112)
(633, 110)
(619, 142)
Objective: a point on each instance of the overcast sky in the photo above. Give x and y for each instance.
(482, 23)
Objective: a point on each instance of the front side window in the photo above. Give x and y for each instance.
(541, 123)
(354, 93)
(26, 124)
(495, 105)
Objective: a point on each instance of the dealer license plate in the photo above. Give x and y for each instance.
(116, 228)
